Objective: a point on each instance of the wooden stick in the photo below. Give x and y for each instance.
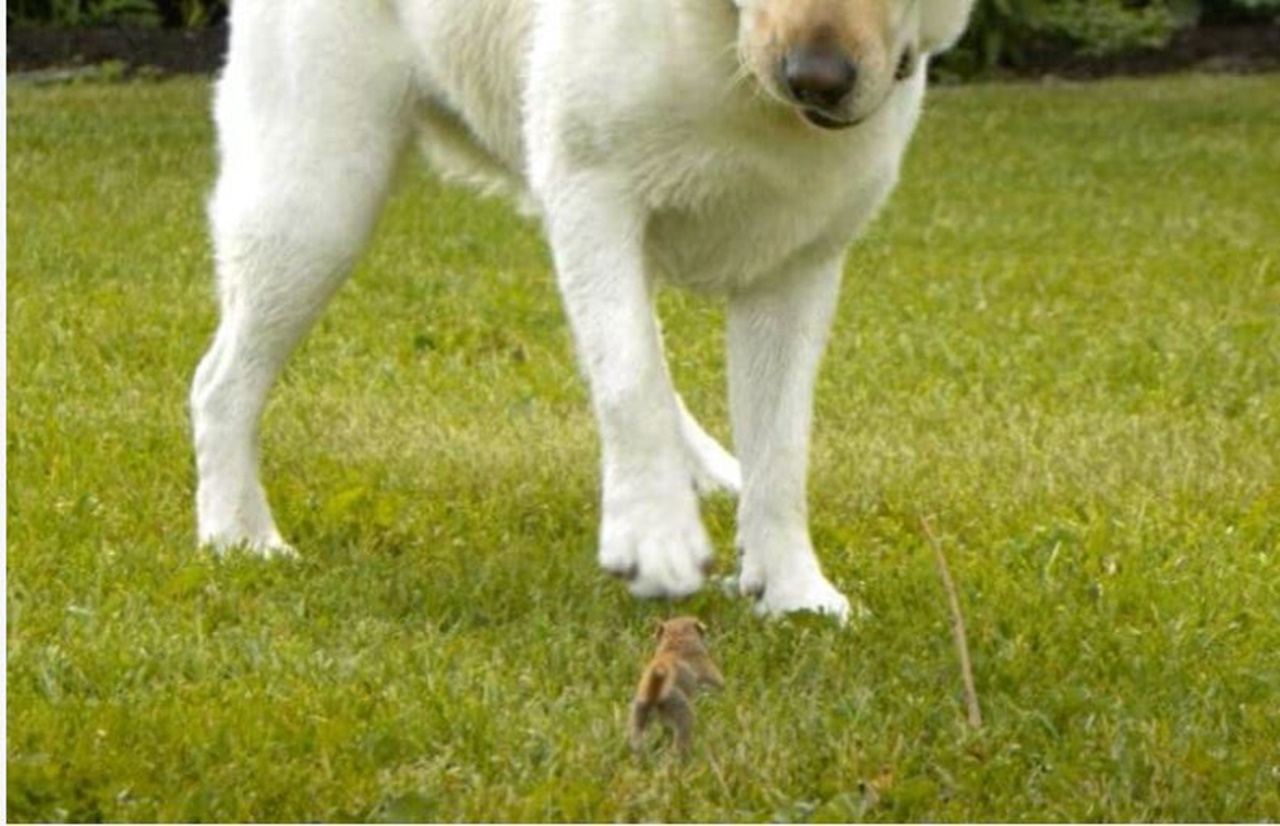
(957, 628)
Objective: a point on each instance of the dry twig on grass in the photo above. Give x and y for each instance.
(957, 628)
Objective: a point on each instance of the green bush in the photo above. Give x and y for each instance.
(1098, 27)
(1240, 10)
(85, 12)
(1006, 32)
(191, 13)
(88, 13)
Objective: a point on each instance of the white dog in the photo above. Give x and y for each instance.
(734, 146)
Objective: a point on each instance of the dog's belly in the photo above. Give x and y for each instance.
(470, 66)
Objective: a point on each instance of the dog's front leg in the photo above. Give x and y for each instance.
(650, 531)
(776, 334)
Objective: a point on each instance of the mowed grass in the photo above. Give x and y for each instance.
(1060, 343)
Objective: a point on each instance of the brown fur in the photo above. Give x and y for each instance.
(671, 679)
(852, 24)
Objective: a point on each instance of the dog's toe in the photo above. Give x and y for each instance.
(816, 596)
(268, 545)
(654, 539)
(669, 579)
(626, 571)
(796, 588)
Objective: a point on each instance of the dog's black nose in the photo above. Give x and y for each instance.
(819, 75)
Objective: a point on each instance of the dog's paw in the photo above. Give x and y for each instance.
(659, 548)
(818, 596)
(235, 517)
(803, 589)
(268, 545)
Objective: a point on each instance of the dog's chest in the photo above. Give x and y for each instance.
(723, 216)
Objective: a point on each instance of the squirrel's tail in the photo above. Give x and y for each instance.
(654, 688)
(657, 684)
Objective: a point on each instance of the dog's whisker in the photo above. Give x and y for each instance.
(741, 71)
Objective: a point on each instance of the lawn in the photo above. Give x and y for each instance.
(1060, 343)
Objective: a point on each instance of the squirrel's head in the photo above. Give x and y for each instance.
(680, 629)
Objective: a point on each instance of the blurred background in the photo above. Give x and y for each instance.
(1036, 37)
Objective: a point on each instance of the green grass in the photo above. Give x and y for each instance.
(1061, 342)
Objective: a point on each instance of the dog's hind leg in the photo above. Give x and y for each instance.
(307, 148)
(714, 469)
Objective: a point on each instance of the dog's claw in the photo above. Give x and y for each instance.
(626, 573)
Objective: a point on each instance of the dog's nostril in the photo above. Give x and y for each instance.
(819, 75)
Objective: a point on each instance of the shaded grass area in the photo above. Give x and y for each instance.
(1061, 342)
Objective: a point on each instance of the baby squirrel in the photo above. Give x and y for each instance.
(671, 678)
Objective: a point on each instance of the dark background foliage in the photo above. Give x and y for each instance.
(1008, 32)
(1004, 34)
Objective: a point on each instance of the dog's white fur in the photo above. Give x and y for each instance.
(632, 129)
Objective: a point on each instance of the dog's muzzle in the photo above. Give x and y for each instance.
(819, 78)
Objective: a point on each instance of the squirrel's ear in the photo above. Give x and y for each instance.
(658, 628)
(702, 629)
